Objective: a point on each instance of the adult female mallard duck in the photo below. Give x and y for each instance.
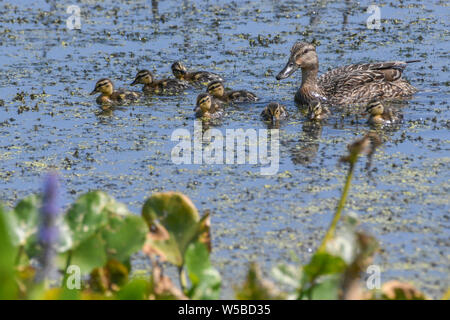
(345, 85)
(111, 97)
(380, 115)
(207, 107)
(274, 112)
(317, 112)
(217, 90)
(180, 72)
(162, 87)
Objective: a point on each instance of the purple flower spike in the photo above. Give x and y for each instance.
(48, 231)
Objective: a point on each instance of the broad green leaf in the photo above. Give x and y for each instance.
(323, 263)
(136, 289)
(26, 214)
(87, 215)
(8, 253)
(123, 236)
(327, 288)
(174, 223)
(89, 254)
(100, 229)
(205, 280)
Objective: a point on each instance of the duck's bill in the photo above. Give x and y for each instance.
(93, 92)
(133, 83)
(289, 69)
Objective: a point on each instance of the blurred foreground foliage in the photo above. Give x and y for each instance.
(98, 235)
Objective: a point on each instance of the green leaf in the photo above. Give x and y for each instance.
(323, 263)
(123, 236)
(100, 229)
(327, 288)
(174, 223)
(136, 289)
(8, 253)
(205, 280)
(26, 213)
(87, 215)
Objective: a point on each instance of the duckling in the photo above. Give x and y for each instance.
(217, 90)
(112, 97)
(380, 115)
(317, 112)
(152, 86)
(348, 84)
(207, 107)
(180, 72)
(274, 112)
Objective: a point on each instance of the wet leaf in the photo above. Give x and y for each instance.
(205, 280)
(171, 214)
(396, 290)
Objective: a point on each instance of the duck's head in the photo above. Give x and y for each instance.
(275, 110)
(178, 69)
(375, 108)
(216, 89)
(315, 110)
(204, 102)
(143, 77)
(104, 86)
(303, 55)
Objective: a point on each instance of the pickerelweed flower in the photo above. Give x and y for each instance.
(48, 231)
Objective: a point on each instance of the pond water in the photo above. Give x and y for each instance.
(48, 121)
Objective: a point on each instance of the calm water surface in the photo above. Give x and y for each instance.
(57, 125)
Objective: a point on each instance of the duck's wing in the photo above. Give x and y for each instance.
(365, 72)
(347, 78)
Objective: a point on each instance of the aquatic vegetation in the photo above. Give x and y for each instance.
(98, 235)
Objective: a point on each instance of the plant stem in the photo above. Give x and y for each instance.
(182, 277)
(68, 261)
(19, 254)
(340, 207)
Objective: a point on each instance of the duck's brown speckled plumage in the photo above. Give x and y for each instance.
(217, 90)
(160, 87)
(111, 97)
(207, 107)
(348, 84)
(274, 112)
(180, 72)
(381, 115)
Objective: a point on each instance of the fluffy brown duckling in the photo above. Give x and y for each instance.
(217, 90)
(111, 97)
(181, 73)
(380, 115)
(317, 112)
(274, 112)
(162, 87)
(207, 107)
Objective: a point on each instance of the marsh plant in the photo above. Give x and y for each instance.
(91, 244)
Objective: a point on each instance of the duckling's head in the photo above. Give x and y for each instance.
(204, 102)
(104, 86)
(178, 69)
(143, 77)
(275, 110)
(315, 110)
(216, 89)
(303, 55)
(375, 108)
